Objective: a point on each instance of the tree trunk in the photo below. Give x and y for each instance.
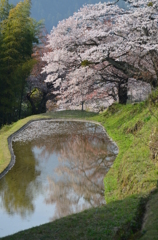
(42, 106)
(32, 104)
(122, 93)
(21, 98)
(82, 105)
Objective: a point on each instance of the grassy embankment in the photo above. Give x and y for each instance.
(127, 185)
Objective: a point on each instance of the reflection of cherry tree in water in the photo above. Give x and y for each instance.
(18, 188)
(81, 170)
(82, 176)
(84, 155)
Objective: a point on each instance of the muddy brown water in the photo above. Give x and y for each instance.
(59, 170)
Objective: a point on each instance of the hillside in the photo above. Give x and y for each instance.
(130, 185)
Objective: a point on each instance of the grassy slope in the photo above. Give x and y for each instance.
(150, 226)
(133, 172)
(133, 175)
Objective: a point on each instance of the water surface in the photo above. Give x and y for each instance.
(59, 170)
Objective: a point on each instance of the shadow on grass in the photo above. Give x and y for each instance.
(116, 220)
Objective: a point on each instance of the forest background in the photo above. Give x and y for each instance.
(21, 35)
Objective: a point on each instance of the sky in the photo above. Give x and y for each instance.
(53, 11)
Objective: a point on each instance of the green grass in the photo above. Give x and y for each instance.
(127, 185)
(134, 171)
(150, 226)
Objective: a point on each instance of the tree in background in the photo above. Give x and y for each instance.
(4, 9)
(36, 87)
(19, 33)
(103, 42)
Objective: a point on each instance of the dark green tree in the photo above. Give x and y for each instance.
(19, 33)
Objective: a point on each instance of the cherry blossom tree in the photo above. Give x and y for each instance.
(103, 43)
